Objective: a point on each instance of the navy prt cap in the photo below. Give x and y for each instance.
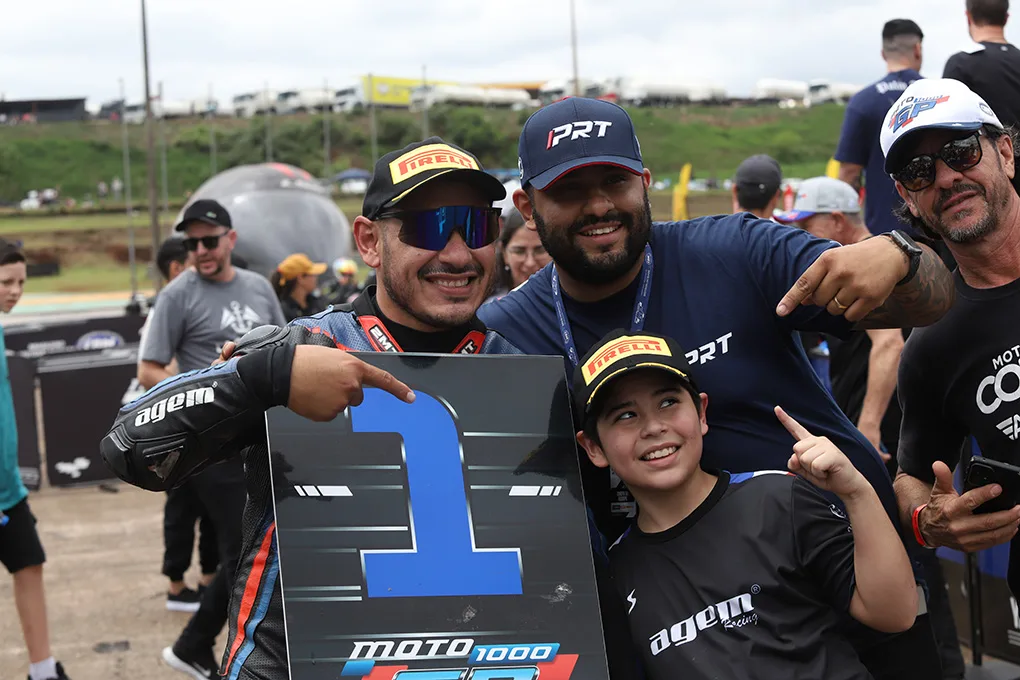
(573, 133)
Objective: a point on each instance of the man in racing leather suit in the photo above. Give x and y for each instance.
(429, 230)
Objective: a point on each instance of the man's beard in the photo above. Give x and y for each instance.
(402, 294)
(996, 201)
(216, 272)
(604, 268)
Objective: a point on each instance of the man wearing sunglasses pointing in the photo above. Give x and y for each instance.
(428, 228)
(953, 162)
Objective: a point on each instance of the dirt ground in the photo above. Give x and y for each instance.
(105, 593)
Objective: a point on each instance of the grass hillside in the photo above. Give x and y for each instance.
(75, 157)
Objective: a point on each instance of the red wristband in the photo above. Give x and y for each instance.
(917, 530)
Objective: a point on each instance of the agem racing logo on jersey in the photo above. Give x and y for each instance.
(430, 157)
(615, 350)
(735, 612)
(482, 662)
(911, 108)
(176, 402)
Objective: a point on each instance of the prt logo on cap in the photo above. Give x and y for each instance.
(576, 130)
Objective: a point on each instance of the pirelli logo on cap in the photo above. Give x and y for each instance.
(430, 157)
(613, 351)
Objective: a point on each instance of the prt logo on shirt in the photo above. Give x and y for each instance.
(710, 350)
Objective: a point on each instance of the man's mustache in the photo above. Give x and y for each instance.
(626, 219)
(945, 195)
(437, 268)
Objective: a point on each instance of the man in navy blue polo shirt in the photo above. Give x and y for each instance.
(858, 148)
(733, 289)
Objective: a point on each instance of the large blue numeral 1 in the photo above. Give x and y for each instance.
(443, 560)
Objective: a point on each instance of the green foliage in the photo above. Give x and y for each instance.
(76, 156)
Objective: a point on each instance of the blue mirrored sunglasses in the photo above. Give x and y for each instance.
(432, 229)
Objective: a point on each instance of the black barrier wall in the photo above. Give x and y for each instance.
(81, 394)
(76, 335)
(22, 373)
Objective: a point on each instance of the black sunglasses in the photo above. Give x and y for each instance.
(432, 229)
(959, 154)
(210, 242)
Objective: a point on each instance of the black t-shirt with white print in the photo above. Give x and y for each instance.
(754, 584)
(961, 376)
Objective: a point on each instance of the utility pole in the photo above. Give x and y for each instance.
(371, 118)
(162, 152)
(573, 48)
(150, 154)
(425, 107)
(327, 156)
(126, 143)
(269, 124)
(211, 112)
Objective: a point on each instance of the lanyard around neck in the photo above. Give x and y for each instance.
(637, 321)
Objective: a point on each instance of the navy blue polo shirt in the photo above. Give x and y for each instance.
(716, 283)
(859, 144)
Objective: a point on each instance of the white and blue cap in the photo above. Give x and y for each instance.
(821, 195)
(573, 133)
(932, 103)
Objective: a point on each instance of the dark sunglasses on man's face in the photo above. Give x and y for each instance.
(209, 242)
(959, 154)
(432, 229)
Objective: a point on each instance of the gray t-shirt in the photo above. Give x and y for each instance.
(194, 317)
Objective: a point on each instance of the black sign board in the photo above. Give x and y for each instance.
(81, 394)
(63, 335)
(22, 373)
(441, 540)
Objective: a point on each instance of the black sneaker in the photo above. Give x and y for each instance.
(185, 601)
(200, 666)
(61, 675)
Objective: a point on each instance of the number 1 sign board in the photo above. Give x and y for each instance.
(441, 540)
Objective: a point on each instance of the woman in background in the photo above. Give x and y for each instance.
(295, 281)
(521, 254)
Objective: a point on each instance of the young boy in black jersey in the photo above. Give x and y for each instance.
(736, 576)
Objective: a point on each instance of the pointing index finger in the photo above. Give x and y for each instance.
(798, 431)
(801, 289)
(373, 376)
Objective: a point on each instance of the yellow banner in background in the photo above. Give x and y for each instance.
(832, 169)
(680, 194)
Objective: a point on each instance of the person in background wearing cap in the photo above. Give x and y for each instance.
(182, 509)
(756, 186)
(195, 314)
(733, 289)
(863, 370)
(346, 287)
(858, 151)
(295, 281)
(429, 228)
(953, 163)
(21, 551)
(703, 535)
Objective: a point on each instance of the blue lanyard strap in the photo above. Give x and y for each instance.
(637, 321)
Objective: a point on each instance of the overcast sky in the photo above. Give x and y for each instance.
(79, 48)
